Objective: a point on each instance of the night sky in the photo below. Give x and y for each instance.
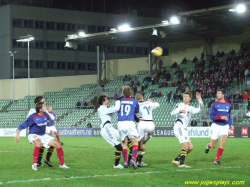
(122, 6)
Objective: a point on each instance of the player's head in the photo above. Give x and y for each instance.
(127, 92)
(50, 108)
(139, 97)
(103, 100)
(187, 97)
(40, 107)
(39, 99)
(221, 94)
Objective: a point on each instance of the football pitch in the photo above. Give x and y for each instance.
(91, 164)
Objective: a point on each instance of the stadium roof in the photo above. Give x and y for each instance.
(194, 25)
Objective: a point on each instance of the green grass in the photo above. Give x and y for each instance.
(91, 160)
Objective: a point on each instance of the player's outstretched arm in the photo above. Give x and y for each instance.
(50, 115)
(177, 110)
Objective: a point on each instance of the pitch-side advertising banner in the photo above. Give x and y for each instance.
(11, 132)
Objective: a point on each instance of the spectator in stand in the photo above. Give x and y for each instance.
(146, 83)
(159, 94)
(116, 96)
(222, 53)
(175, 97)
(173, 84)
(142, 92)
(85, 105)
(78, 105)
(153, 80)
(245, 97)
(218, 54)
(89, 125)
(126, 78)
(202, 55)
(163, 84)
(193, 122)
(184, 61)
(153, 94)
(174, 65)
(195, 59)
(169, 95)
(205, 124)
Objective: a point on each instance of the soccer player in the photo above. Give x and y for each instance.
(220, 114)
(37, 123)
(108, 132)
(51, 148)
(183, 113)
(146, 125)
(126, 125)
(51, 128)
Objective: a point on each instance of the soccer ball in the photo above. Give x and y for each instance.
(157, 51)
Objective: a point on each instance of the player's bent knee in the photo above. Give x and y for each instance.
(118, 147)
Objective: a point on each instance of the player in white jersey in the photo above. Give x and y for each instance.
(183, 113)
(51, 148)
(108, 132)
(146, 125)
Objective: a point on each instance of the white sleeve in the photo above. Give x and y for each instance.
(32, 111)
(176, 109)
(248, 114)
(154, 105)
(50, 115)
(199, 109)
(113, 109)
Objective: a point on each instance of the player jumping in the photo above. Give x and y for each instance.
(220, 113)
(37, 123)
(146, 125)
(183, 113)
(108, 132)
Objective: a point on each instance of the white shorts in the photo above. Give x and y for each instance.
(146, 130)
(50, 128)
(180, 132)
(111, 135)
(218, 130)
(45, 139)
(127, 129)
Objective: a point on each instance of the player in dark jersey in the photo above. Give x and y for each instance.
(126, 125)
(220, 114)
(37, 123)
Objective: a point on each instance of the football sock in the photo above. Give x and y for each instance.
(209, 145)
(60, 155)
(134, 152)
(130, 145)
(219, 153)
(124, 154)
(178, 157)
(139, 157)
(36, 154)
(40, 155)
(49, 152)
(183, 156)
(118, 153)
(58, 138)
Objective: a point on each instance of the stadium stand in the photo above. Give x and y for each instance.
(187, 76)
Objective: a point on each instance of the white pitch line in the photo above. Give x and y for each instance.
(118, 175)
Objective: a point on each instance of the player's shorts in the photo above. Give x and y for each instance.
(218, 130)
(45, 139)
(146, 130)
(180, 132)
(111, 135)
(50, 128)
(127, 129)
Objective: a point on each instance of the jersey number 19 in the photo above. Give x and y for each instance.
(125, 109)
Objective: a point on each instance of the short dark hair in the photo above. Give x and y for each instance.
(127, 92)
(39, 106)
(38, 99)
(223, 91)
(101, 99)
(188, 93)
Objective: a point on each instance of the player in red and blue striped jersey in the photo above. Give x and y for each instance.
(220, 114)
(126, 125)
(37, 123)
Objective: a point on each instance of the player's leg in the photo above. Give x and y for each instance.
(39, 160)
(183, 154)
(52, 142)
(125, 152)
(130, 146)
(57, 135)
(134, 152)
(49, 154)
(221, 148)
(141, 152)
(214, 138)
(38, 145)
(118, 156)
